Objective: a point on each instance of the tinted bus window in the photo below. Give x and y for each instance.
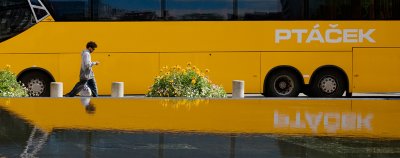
(127, 10)
(15, 17)
(259, 9)
(199, 9)
(330, 9)
(69, 10)
(385, 10)
(293, 9)
(354, 9)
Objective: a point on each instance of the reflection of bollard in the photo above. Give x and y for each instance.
(238, 89)
(56, 89)
(117, 89)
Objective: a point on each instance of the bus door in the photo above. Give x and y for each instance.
(376, 69)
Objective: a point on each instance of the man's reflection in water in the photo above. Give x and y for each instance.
(88, 104)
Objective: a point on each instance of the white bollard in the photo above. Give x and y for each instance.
(56, 89)
(117, 89)
(237, 89)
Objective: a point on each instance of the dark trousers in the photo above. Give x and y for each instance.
(91, 83)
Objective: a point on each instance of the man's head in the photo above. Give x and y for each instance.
(91, 46)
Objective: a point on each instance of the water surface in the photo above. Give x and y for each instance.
(84, 127)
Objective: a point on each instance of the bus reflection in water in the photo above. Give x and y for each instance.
(261, 128)
(361, 118)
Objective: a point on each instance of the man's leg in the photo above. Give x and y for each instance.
(93, 87)
(77, 88)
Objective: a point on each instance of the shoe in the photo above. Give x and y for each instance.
(67, 95)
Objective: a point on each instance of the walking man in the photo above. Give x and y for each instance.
(86, 73)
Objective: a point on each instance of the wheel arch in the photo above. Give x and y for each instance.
(330, 67)
(279, 68)
(35, 69)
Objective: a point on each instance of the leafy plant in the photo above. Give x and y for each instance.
(184, 82)
(9, 86)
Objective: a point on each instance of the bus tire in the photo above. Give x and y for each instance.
(37, 83)
(328, 83)
(282, 83)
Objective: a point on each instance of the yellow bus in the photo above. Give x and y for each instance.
(280, 48)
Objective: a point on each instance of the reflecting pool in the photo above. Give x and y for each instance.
(106, 127)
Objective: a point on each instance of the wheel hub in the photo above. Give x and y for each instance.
(283, 85)
(35, 87)
(328, 85)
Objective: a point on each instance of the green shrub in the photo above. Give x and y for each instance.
(9, 86)
(184, 82)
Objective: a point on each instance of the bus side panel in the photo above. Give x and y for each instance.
(70, 65)
(136, 70)
(306, 62)
(224, 67)
(20, 62)
(376, 69)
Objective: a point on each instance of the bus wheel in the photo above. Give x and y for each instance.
(328, 83)
(282, 83)
(37, 83)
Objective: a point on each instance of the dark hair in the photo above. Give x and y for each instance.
(91, 44)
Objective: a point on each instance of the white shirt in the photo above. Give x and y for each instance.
(86, 72)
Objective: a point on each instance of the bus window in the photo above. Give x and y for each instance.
(64, 10)
(292, 9)
(127, 10)
(385, 10)
(354, 9)
(15, 17)
(199, 10)
(330, 9)
(259, 10)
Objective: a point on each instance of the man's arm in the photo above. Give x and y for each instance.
(87, 61)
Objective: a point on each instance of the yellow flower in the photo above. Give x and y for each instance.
(167, 73)
(8, 66)
(171, 81)
(193, 81)
(207, 70)
(189, 63)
